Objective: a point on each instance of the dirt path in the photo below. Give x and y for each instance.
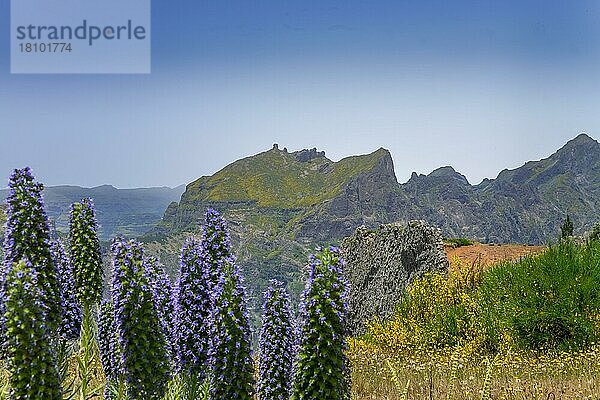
(490, 254)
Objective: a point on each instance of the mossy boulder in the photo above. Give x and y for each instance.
(382, 262)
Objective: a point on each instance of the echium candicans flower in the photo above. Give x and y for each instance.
(231, 360)
(27, 236)
(108, 345)
(193, 307)
(275, 345)
(216, 243)
(144, 350)
(33, 371)
(70, 321)
(201, 264)
(162, 290)
(322, 343)
(85, 253)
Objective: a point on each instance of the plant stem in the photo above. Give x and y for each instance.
(88, 353)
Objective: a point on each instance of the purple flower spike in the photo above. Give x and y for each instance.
(144, 350)
(27, 236)
(276, 345)
(85, 252)
(232, 375)
(162, 290)
(70, 325)
(322, 343)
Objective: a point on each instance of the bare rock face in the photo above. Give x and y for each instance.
(307, 155)
(382, 262)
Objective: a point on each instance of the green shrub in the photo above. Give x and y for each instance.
(595, 234)
(567, 229)
(436, 311)
(546, 301)
(458, 242)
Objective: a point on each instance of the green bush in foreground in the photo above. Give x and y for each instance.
(547, 301)
(567, 229)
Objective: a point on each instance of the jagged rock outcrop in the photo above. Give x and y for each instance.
(380, 264)
(371, 197)
(307, 155)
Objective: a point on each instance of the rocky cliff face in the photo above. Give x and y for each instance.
(280, 205)
(524, 205)
(380, 263)
(370, 197)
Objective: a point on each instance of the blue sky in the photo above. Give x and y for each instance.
(479, 85)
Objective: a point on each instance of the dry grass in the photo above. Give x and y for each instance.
(376, 380)
(487, 254)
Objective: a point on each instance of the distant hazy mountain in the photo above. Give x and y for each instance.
(281, 204)
(127, 212)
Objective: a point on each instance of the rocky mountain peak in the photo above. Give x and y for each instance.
(581, 140)
(385, 165)
(449, 173)
(578, 149)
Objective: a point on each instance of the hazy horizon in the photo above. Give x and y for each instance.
(480, 86)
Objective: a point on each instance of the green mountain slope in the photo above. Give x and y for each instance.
(279, 179)
(278, 204)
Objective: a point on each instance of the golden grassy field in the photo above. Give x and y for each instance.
(443, 376)
(489, 254)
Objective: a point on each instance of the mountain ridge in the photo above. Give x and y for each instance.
(275, 178)
(280, 205)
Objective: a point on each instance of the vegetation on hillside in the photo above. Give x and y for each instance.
(278, 179)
